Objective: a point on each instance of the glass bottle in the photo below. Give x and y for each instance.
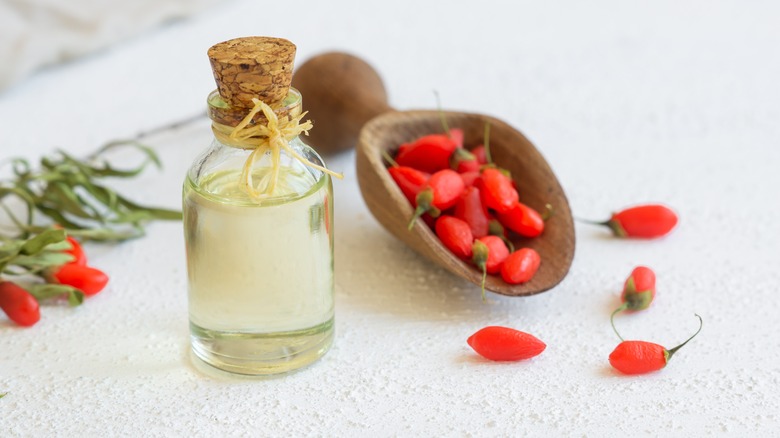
(260, 270)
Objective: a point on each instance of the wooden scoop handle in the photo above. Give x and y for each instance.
(341, 92)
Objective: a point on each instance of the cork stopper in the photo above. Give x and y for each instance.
(252, 67)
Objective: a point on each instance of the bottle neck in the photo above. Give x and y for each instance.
(222, 113)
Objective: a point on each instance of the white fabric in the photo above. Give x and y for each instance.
(34, 33)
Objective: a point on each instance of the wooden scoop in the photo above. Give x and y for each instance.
(343, 94)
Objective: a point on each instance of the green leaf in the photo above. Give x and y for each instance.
(39, 242)
(3, 394)
(43, 259)
(46, 291)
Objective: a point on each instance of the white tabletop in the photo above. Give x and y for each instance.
(662, 102)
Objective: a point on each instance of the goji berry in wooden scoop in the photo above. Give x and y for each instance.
(535, 186)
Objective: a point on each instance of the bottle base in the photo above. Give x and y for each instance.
(261, 354)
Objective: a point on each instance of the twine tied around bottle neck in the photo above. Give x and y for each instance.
(273, 136)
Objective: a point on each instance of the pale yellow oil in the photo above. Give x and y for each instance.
(260, 275)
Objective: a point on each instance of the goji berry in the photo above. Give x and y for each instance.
(523, 220)
(84, 278)
(520, 266)
(645, 221)
(480, 154)
(440, 193)
(638, 292)
(20, 306)
(505, 344)
(640, 357)
(470, 178)
(455, 235)
(463, 161)
(497, 190)
(489, 253)
(456, 134)
(471, 210)
(409, 180)
(429, 153)
(79, 256)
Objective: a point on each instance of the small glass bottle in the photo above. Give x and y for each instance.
(258, 230)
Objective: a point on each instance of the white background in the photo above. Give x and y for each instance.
(630, 102)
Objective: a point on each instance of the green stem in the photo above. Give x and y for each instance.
(444, 123)
(484, 277)
(389, 159)
(548, 212)
(669, 353)
(419, 211)
(623, 307)
(488, 155)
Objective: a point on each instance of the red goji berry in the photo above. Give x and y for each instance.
(455, 235)
(638, 292)
(409, 180)
(430, 153)
(480, 154)
(523, 220)
(471, 210)
(520, 266)
(489, 253)
(470, 178)
(640, 357)
(645, 221)
(20, 306)
(463, 161)
(84, 278)
(497, 190)
(441, 192)
(79, 256)
(456, 134)
(505, 344)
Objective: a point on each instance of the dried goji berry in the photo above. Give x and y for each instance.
(84, 278)
(640, 357)
(20, 306)
(441, 192)
(523, 220)
(520, 266)
(455, 235)
(497, 190)
(429, 153)
(505, 344)
(471, 210)
(638, 292)
(409, 180)
(646, 221)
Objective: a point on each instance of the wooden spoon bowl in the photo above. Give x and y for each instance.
(344, 94)
(536, 184)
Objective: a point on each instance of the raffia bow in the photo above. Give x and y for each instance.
(274, 136)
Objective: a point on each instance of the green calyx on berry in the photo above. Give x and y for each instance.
(616, 228)
(496, 229)
(424, 202)
(459, 155)
(634, 299)
(480, 255)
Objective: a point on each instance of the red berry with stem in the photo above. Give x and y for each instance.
(638, 292)
(441, 192)
(644, 221)
(470, 210)
(523, 220)
(489, 253)
(463, 161)
(455, 235)
(497, 190)
(505, 344)
(640, 357)
(520, 266)
(84, 278)
(20, 306)
(410, 181)
(429, 153)
(470, 178)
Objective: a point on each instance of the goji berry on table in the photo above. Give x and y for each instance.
(644, 221)
(505, 344)
(84, 278)
(641, 357)
(20, 306)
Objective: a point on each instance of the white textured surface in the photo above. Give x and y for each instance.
(665, 101)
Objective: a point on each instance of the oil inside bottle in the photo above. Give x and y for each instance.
(260, 275)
